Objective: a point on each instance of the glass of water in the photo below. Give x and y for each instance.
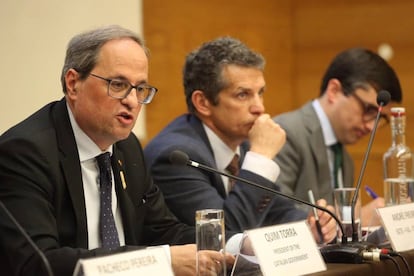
(343, 208)
(210, 235)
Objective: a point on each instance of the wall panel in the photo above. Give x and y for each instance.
(173, 28)
(298, 39)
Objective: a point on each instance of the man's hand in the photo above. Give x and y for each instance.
(266, 137)
(369, 216)
(183, 260)
(327, 223)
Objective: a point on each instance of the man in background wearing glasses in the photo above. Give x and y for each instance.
(343, 113)
(52, 179)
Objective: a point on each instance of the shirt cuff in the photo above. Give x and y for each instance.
(233, 244)
(263, 166)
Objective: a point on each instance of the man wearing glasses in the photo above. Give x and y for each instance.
(73, 174)
(343, 113)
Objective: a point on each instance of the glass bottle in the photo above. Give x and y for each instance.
(398, 163)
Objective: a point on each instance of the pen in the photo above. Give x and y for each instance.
(370, 192)
(315, 212)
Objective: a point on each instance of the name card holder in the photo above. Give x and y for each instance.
(398, 221)
(284, 249)
(151, 261)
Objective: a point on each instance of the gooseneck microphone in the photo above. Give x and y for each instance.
(180, 158)
(383, 99)
(344, 252)
(42, 256)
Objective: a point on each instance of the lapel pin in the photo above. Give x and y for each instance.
(121, 174)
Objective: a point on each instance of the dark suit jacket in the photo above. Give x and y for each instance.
(303, 159)
(41, 184)
(187, 189)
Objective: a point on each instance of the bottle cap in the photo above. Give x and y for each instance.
(397, 111)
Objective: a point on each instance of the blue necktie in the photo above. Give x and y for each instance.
(108, 232)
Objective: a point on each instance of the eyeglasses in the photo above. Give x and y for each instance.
(120, 89)
(370, 112)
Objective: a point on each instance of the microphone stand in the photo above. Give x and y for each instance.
(354, 252)
(42, 256)
(343, 252)
(201, 166)
(361, 174)
(383, 98)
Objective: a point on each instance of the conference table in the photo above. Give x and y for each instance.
(375, 268)
(383, 267)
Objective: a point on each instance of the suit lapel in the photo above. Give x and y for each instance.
(69, 159)
(197, 125)
(122, 187)
(318, 148)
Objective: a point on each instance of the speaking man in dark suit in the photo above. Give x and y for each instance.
(49, 174)
(224, 86)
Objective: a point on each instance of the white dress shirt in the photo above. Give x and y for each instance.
(252, 161)
(88, 150)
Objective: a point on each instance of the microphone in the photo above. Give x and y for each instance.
(332, 253)
(383, 99)
(180, 158)
(42, 256)
(339, 253)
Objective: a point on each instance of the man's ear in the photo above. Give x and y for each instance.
(201, 103)
(333, 89)
(71, 81)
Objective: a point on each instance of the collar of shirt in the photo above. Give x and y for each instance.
(253, 162)
(222, 153)
(87, 149)
(327, 131)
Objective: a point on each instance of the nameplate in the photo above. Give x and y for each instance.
(398, 221)
(151, 261)
(286, 249)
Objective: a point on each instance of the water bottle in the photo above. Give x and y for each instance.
(398, 163)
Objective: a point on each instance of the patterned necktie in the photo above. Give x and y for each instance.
(233, 168)
(108, 232)
(337, 150)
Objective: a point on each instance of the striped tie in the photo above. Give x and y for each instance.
(233, 168)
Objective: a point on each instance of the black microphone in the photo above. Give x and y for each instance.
(332, 253)
(339, 253)
(383, 99)
(39, 252)
(180, 158)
